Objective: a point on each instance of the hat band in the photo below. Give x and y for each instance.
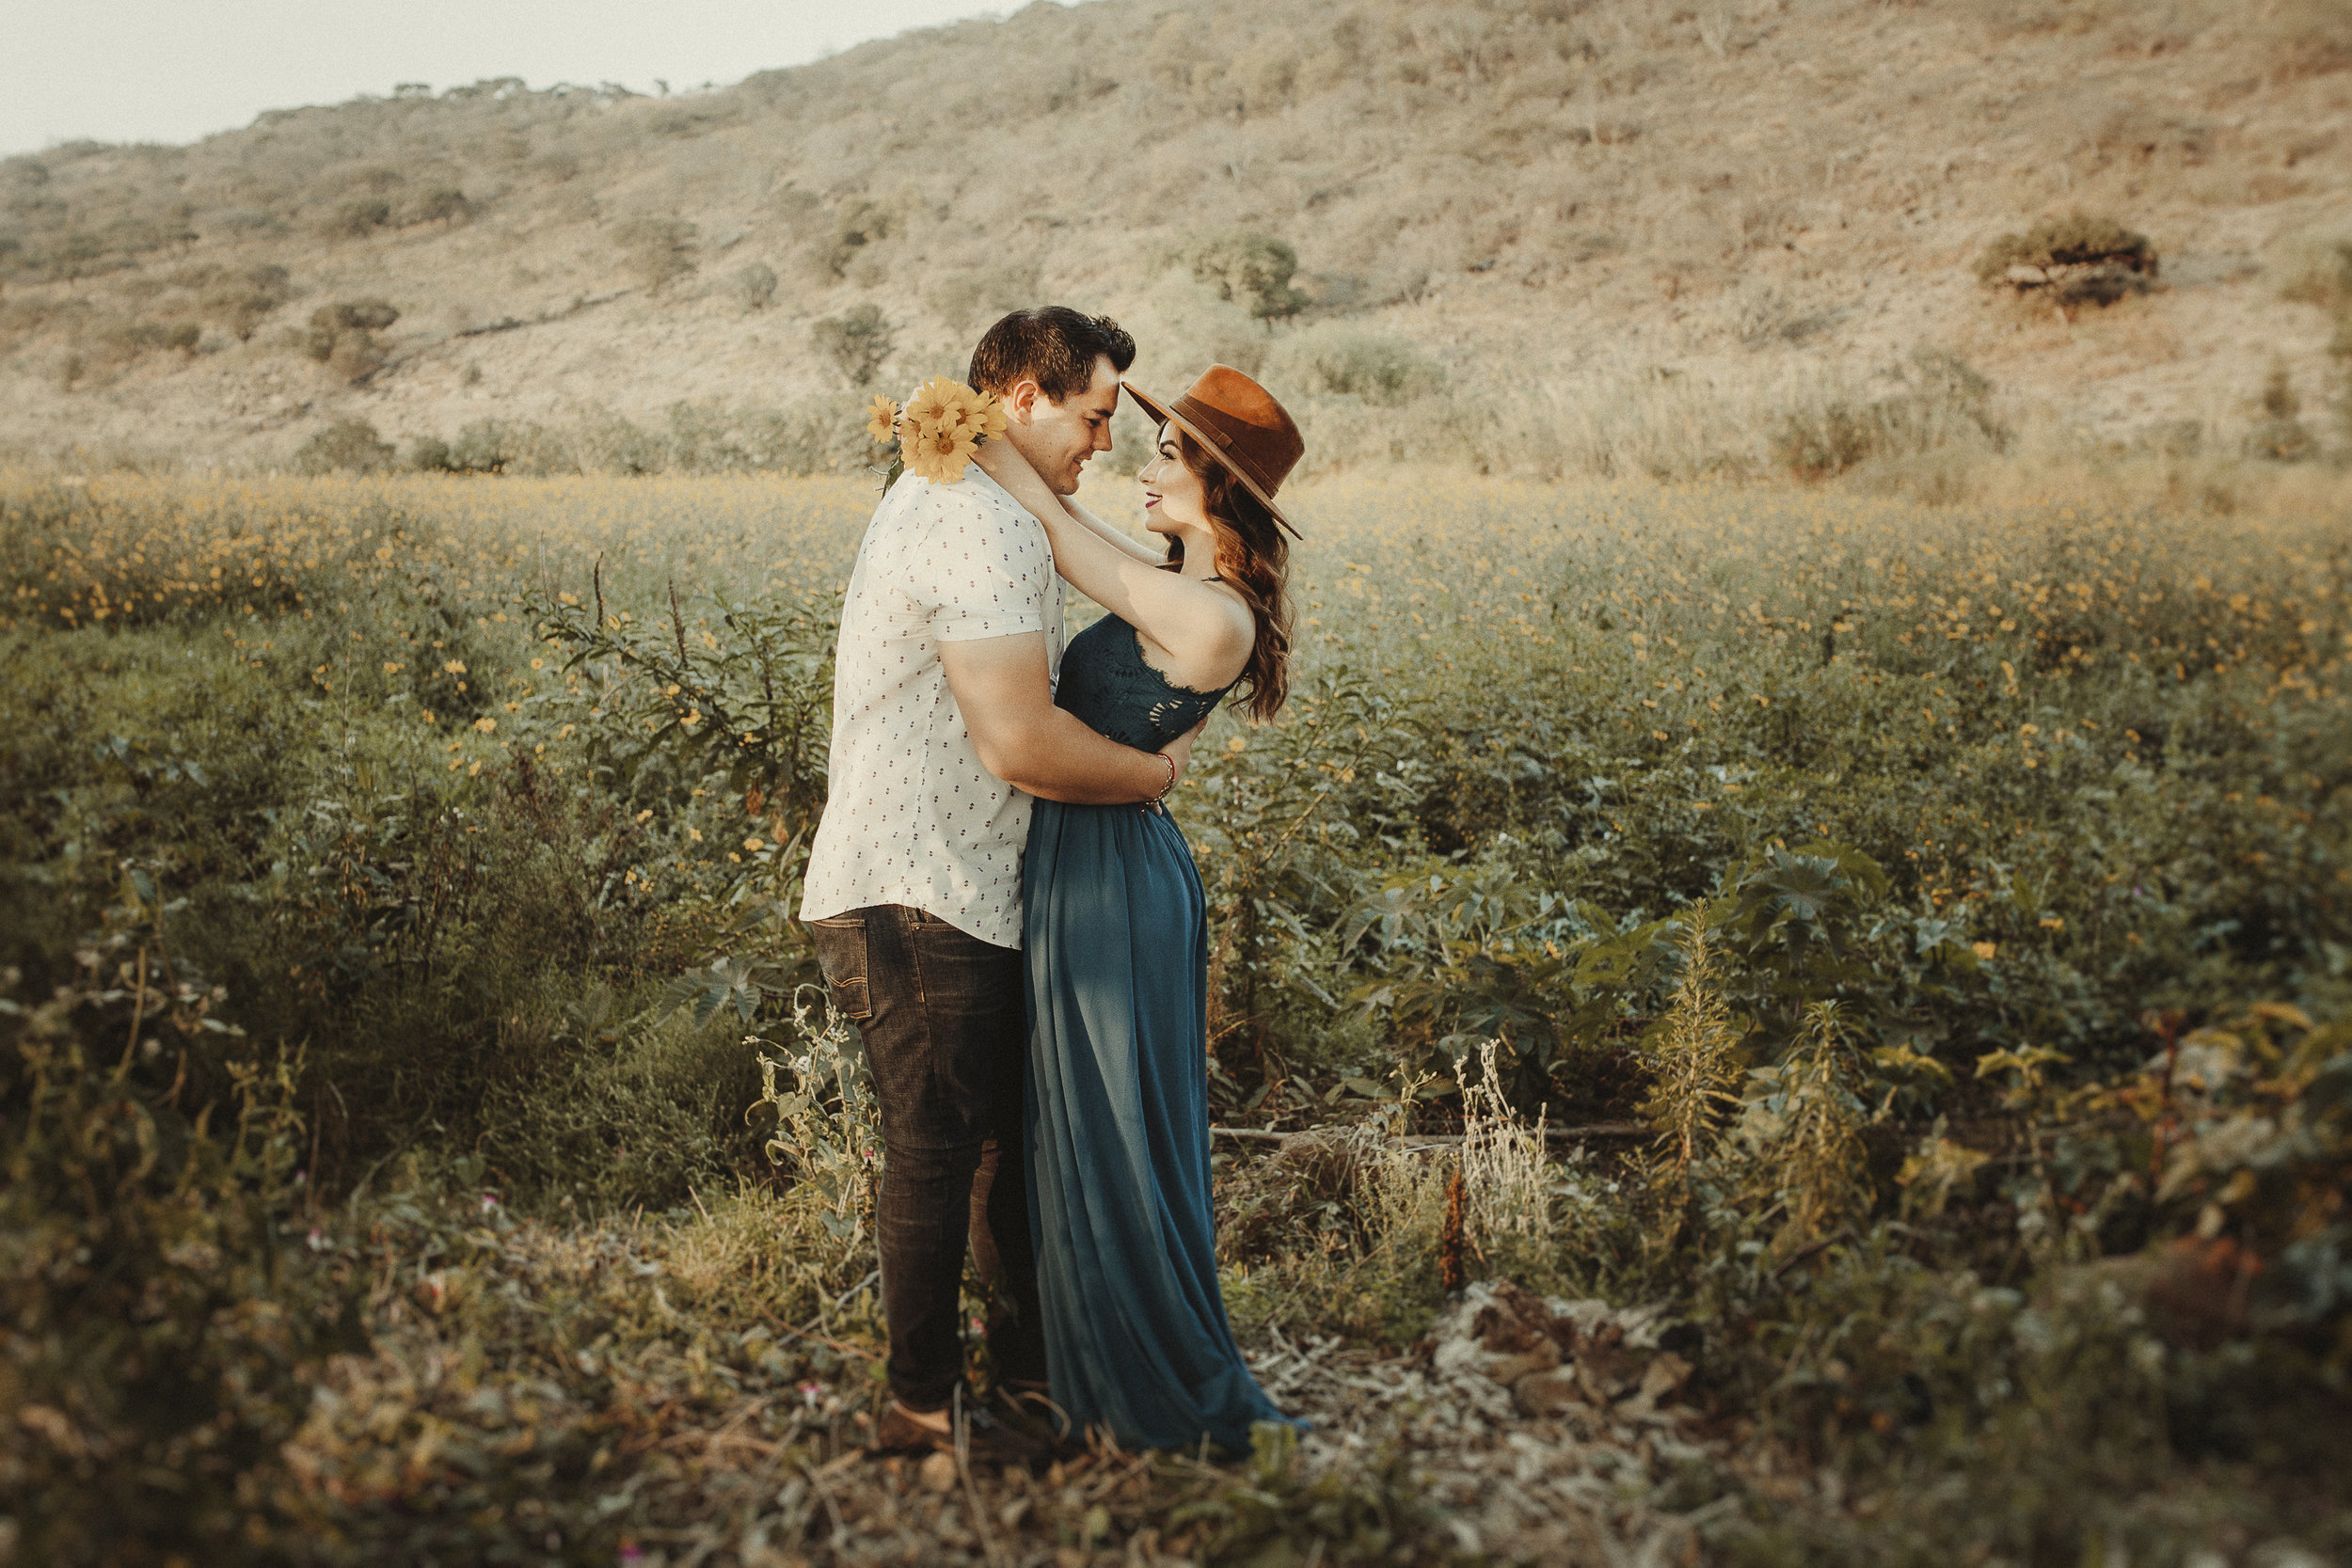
(1208, 422)
(1202, 415)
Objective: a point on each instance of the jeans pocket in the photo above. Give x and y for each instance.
(840, 943)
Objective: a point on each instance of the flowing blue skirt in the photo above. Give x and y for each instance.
(1114, 933)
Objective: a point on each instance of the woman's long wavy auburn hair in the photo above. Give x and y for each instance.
(1254, 560)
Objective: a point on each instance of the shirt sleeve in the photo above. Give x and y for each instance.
(981, 570)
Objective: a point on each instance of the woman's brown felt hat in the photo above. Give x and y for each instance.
(1237, 422)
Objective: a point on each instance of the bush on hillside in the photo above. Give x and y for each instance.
(972, 297)
(2074, 260)
(2281, 435)
(657, 251)
(1341, 360)
(430, 454)
(1940, 401)
(488, 446)
(754, 285)
(2319, 273)
(123, 341)
(344, 335)
(1248, 267)
(241, 298)
(354, 220)
(345, 446)
(856, 341)
(438, 204)
(857, 224)
(2311, 37)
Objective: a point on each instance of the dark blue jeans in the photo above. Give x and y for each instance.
(942, 1016)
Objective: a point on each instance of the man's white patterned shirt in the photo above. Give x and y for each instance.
(910, 816)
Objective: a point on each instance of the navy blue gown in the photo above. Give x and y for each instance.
(1114, 934)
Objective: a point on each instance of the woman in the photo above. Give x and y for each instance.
(1115, 931)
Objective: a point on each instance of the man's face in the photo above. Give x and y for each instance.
(1058, 438)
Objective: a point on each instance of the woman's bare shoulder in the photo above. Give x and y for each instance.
(1236, 622)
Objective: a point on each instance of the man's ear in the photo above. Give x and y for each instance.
(1021, 401)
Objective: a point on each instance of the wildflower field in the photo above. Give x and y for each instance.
(1878, 973)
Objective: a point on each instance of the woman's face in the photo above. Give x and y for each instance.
(1175, 500)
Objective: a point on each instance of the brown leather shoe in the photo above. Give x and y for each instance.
(983, 1439)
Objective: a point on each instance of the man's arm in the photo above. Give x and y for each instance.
(1002, 687)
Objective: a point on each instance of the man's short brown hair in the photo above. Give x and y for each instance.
(1052, 345)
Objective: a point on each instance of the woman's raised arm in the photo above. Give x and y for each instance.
(1206, 633)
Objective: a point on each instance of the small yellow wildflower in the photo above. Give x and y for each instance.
(882, 418)
(1984, 949)
(455, 666)
(485, 725)
(755, 844)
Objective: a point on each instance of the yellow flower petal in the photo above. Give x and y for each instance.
(939, 400)
(990, 417)
(938, 451)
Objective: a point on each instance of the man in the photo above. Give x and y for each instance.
(944, 729)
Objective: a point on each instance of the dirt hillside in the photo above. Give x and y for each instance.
(1478, 193)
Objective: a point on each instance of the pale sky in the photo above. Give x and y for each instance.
(173, 70)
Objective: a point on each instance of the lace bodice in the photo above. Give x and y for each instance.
(1106, 684)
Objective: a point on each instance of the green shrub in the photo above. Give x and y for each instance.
(161, 1333)
(2321, 275)
(1248, 267)
(347, 445)
(356, 219)
(754, 285)
(344, 336)
(431, 454)
(127, 340)
(439, 204)
(2077, 260)
(856, 341)
(1335, 360)
(657, 251)
(973, 296)
(500, 445)
(1939, 402)
(240, 298)
(2281, 435)
(857, 224)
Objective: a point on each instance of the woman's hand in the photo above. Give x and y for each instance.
(1001, 461)
(1197, 627)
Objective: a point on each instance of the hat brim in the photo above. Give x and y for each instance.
(1165, 415)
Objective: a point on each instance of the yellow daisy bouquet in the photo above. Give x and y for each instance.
(937, 431)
